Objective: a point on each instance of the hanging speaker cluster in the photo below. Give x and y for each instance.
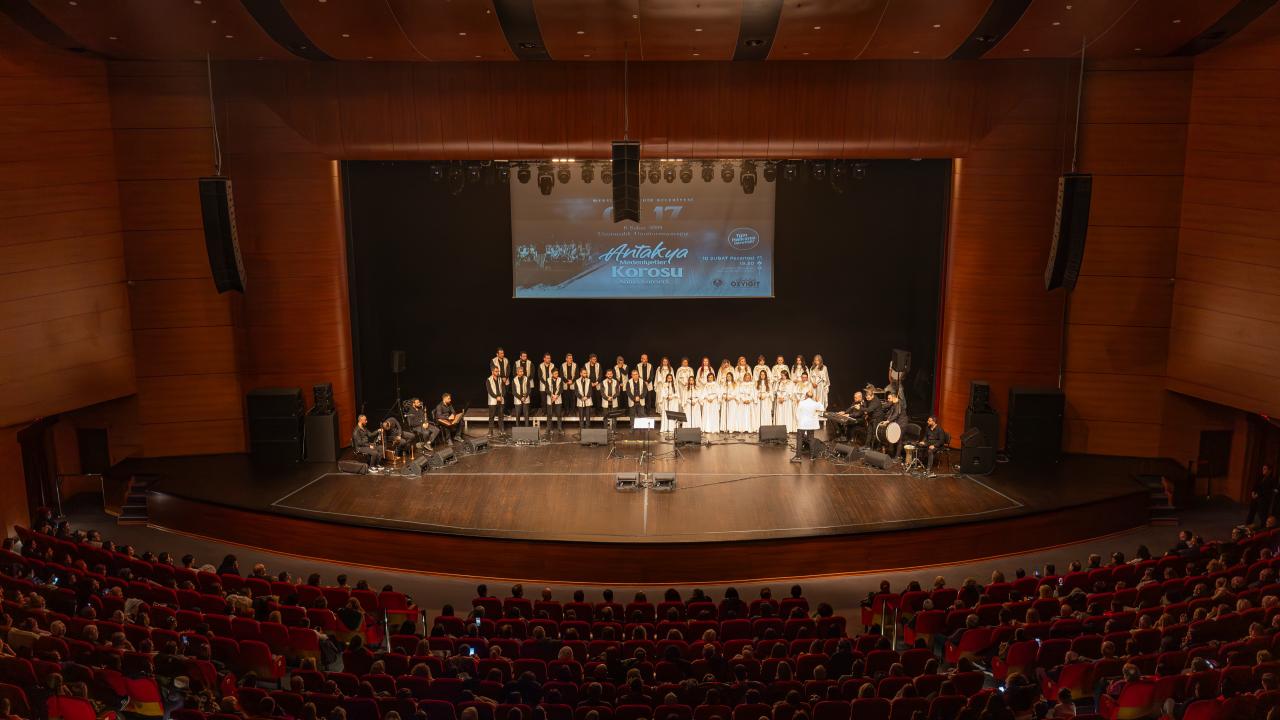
(626, 180)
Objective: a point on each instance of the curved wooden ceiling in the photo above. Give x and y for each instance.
(603, 30)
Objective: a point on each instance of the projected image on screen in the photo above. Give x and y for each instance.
(694, 239)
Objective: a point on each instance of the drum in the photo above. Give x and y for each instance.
(888, 432)
(909, 451)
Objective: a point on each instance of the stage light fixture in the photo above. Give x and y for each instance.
(708, 170)
(606, 174)
(563, 176)
(654, 174)
(545, 179)
(818, 170)
(686, 173)
(859, 170)
(748, 177)
(790, 170)
(669, 172)
(523, 174)
(726, 173)
(770, 171)
(588, 172)
(503, 172)
(473, 173)
(435, 173)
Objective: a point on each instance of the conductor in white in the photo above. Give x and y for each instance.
(806, 422)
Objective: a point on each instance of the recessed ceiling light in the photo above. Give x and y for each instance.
(1056, 23)
(213, 22)
(635, 17)
(261, 57)
(915, 52)
(805, 53)
(198, 2)
(72, 3)
(228, 36)
(1026, 49)
(582, 32)
(347, 35)
(477, 57)
(697, 29)
(1175, 22)
(462, 34)
(937, 25)
(586, 54)
(697, 54)
(817, 27)
(1137, 49)
(113, 37)
(368, 57)
(1068, 7)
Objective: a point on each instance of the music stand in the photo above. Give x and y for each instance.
(679, 419)
(646, 424)
(611, 425)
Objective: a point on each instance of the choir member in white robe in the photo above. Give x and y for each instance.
(620, 370)
(764, 399)
(690, 403)
(683, 373)
(741, 372)
(779, 367)
(661, 372)
(610, 391)
(760, 365)
(544, 376)
(582, 392)
(729, 403)
(747, 405)
(705, 373)
(711, 392)
(785, 409)
(569, 373)
(521, 395)
(798, 368)
(725, 369)
(821, 378)
(666, 399)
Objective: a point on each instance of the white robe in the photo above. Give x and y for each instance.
(764, 406)
(711, 407)
(666, 398)
(660, 375)
(682, 376)
(691, 404)
(775, 373)
(729, 407)
(703, 372)
(740, 372)
(822, 380)
(785, 413)
(747, 407)
(755, 372)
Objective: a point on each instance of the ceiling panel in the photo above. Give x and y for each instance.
(924, 29)
(689, 29)
(826, 29)
(164, 29)
(1054, 28)
(597, 30)
(436, 29)
(1158, 27)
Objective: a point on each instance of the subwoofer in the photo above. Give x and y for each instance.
(353, 467)
(415, 467)
(977, 460)
(442, 457)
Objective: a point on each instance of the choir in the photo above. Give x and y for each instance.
(735, 398)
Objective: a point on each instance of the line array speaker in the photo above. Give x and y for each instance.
(1071, 223)
(218, 215)
(626, 180)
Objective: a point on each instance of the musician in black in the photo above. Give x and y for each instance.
(366, 442)
(495, 389)
(417, 427)
(521, 388)
(935, 439)
(894, 414)
(855, 413)
(447, 419)
(393, 439)
(873, 412)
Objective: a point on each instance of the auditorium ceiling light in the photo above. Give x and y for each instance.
(523, 174)
(708, 170)
(770, 171)
(686, 173)
(817, 27)
(545, 180)
(582, 32)
(473, 173)
(563, 176)
(937, 25)
(588, 172)
(748, 176)
(1177, 20)
(669, 173)
(346, 35)
(860, 170)
(503, 171)
(1055, 23)
(726, 173)
(435, 173)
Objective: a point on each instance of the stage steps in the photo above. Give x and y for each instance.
(1160, 511)
(133, 510)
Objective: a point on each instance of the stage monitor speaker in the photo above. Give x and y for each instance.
(877, 459)
(321, 437)
(773, 433)
(398, 362)
(525, 434)
(1071, 222)
(274, 402)
(688, 436)
(977, 460)
(1034, 430)
(843, 451)
(594, 436)
(979, 395)
(218, 214)
(626, 180)
(972, 438)
(322, 398)
(475, 446)
(664, 481)
(442, 457)
(988, 423)
(626, 481)
(415, 467)
(353, 467)
(901, 360)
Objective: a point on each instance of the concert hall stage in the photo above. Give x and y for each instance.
(740, 511)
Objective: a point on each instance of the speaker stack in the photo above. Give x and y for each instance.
(275, 424)
(982, 428)
(321, 426)
(1034, 430)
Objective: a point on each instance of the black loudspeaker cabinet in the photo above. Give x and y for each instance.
(979, 395)
(901, 360)
(398, 361)
(773, 433)
(988, 423)
(688, 436)
(626, 180)
(274, 402)
(594, 436)
(877, 459)
(525, 434)
(321, 433)
(1034, 429)
(353, 467)
(218, 215)
(275, 424)
(1066, 251)
(977, 460)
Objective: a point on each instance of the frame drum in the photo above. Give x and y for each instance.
(888, 432)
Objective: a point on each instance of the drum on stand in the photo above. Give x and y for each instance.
(909, 452)
(888, 432)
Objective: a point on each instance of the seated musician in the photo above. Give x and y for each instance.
(365, 443)
(854, 415)
(448, 419)
(415, 422)
(935, 439)
(393, 439)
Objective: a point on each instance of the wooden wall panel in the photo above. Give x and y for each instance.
(1224, 344)
(1132, 139)
(63, 309)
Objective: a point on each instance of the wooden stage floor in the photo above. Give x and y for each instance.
(551, 512)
